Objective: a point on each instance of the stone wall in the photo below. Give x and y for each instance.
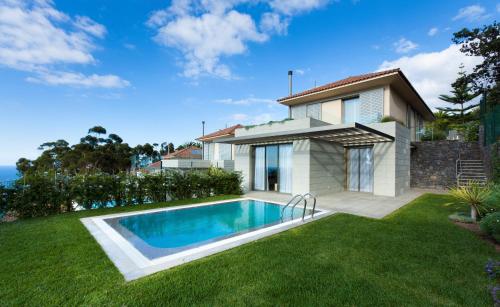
(487, 153)
(433, 163)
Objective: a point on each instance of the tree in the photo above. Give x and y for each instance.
(166, 148)
(462, 94)
(485, 43)
(188, 144)
(24, 165)
(97, 130)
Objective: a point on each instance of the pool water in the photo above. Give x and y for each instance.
(167, 232)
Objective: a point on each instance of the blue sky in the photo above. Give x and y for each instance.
(151, 71)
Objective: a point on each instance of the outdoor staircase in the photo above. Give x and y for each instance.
(470, 171)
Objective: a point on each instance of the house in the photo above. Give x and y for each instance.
(183, 158)
(190, 152)
(219, 154)
(349, 135)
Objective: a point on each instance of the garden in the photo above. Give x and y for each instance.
(415, 256)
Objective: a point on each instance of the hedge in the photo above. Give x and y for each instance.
(44, 194)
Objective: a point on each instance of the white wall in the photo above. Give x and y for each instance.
(391, 176)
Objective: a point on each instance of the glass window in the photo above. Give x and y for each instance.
(351, 110)
(225, 152)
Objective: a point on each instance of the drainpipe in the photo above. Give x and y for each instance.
(202, 142)
(290, 77)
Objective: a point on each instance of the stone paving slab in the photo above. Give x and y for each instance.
(362, 204)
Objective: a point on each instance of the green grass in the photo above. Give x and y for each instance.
(414, 257)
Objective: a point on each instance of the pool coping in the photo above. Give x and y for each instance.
(132, 264)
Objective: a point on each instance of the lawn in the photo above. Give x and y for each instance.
(414, 257)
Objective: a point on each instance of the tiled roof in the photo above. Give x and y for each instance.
(156, 164)
(222, 132)
(186, 153)
(346, 81)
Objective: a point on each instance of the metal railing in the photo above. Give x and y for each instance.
(295, 200)
(458, 172)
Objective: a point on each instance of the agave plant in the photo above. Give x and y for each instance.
(473, 195)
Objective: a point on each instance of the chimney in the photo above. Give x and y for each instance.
(290, 74)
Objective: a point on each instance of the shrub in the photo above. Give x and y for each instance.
(492, 202)
(473, 195)
(6, 195)
(155, 187)
(224, 182)
(433, 135)
(40, 194)
(388, 119)
(490, 224)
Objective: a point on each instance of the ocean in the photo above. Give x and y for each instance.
(8, 173)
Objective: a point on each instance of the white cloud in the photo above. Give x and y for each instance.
(204, 39)
(404, 45)
(433, 31)
(88, 25)
(35, 37)
(246, 101)
(471, 13)
(292, 7)
(432, 72)
(78, 79)
(206, 31)
(274, 23)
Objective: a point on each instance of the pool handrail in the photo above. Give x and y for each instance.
(289, 202)
(314, 205)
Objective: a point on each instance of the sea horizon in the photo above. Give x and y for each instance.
(8, 173)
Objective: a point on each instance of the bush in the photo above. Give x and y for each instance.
(433, 135)
(490, 224)
(6, 195)
(492, 202)
(155, 187)
(388, 119)
(42, 194)
(39, 195)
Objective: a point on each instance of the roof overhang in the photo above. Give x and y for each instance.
(347, 135)
(396, 80)
(214, 138)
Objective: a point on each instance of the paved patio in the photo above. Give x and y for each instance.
(362, 204)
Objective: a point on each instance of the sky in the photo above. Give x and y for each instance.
(152, 71)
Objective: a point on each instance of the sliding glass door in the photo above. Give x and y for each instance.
(285, 168)
(260, 169)
(360, 169)
(273, 168)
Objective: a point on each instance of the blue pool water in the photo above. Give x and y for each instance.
(168, 232)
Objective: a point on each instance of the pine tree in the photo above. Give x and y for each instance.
(462, 94)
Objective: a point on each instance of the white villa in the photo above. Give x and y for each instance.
(350, 135)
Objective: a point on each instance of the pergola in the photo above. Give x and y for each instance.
(346, 134)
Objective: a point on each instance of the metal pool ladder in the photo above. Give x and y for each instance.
(295, 200)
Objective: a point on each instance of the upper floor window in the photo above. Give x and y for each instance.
(352, 112)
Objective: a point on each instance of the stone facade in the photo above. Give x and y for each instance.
(433, 163)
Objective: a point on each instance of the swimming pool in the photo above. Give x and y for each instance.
(140, 243)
